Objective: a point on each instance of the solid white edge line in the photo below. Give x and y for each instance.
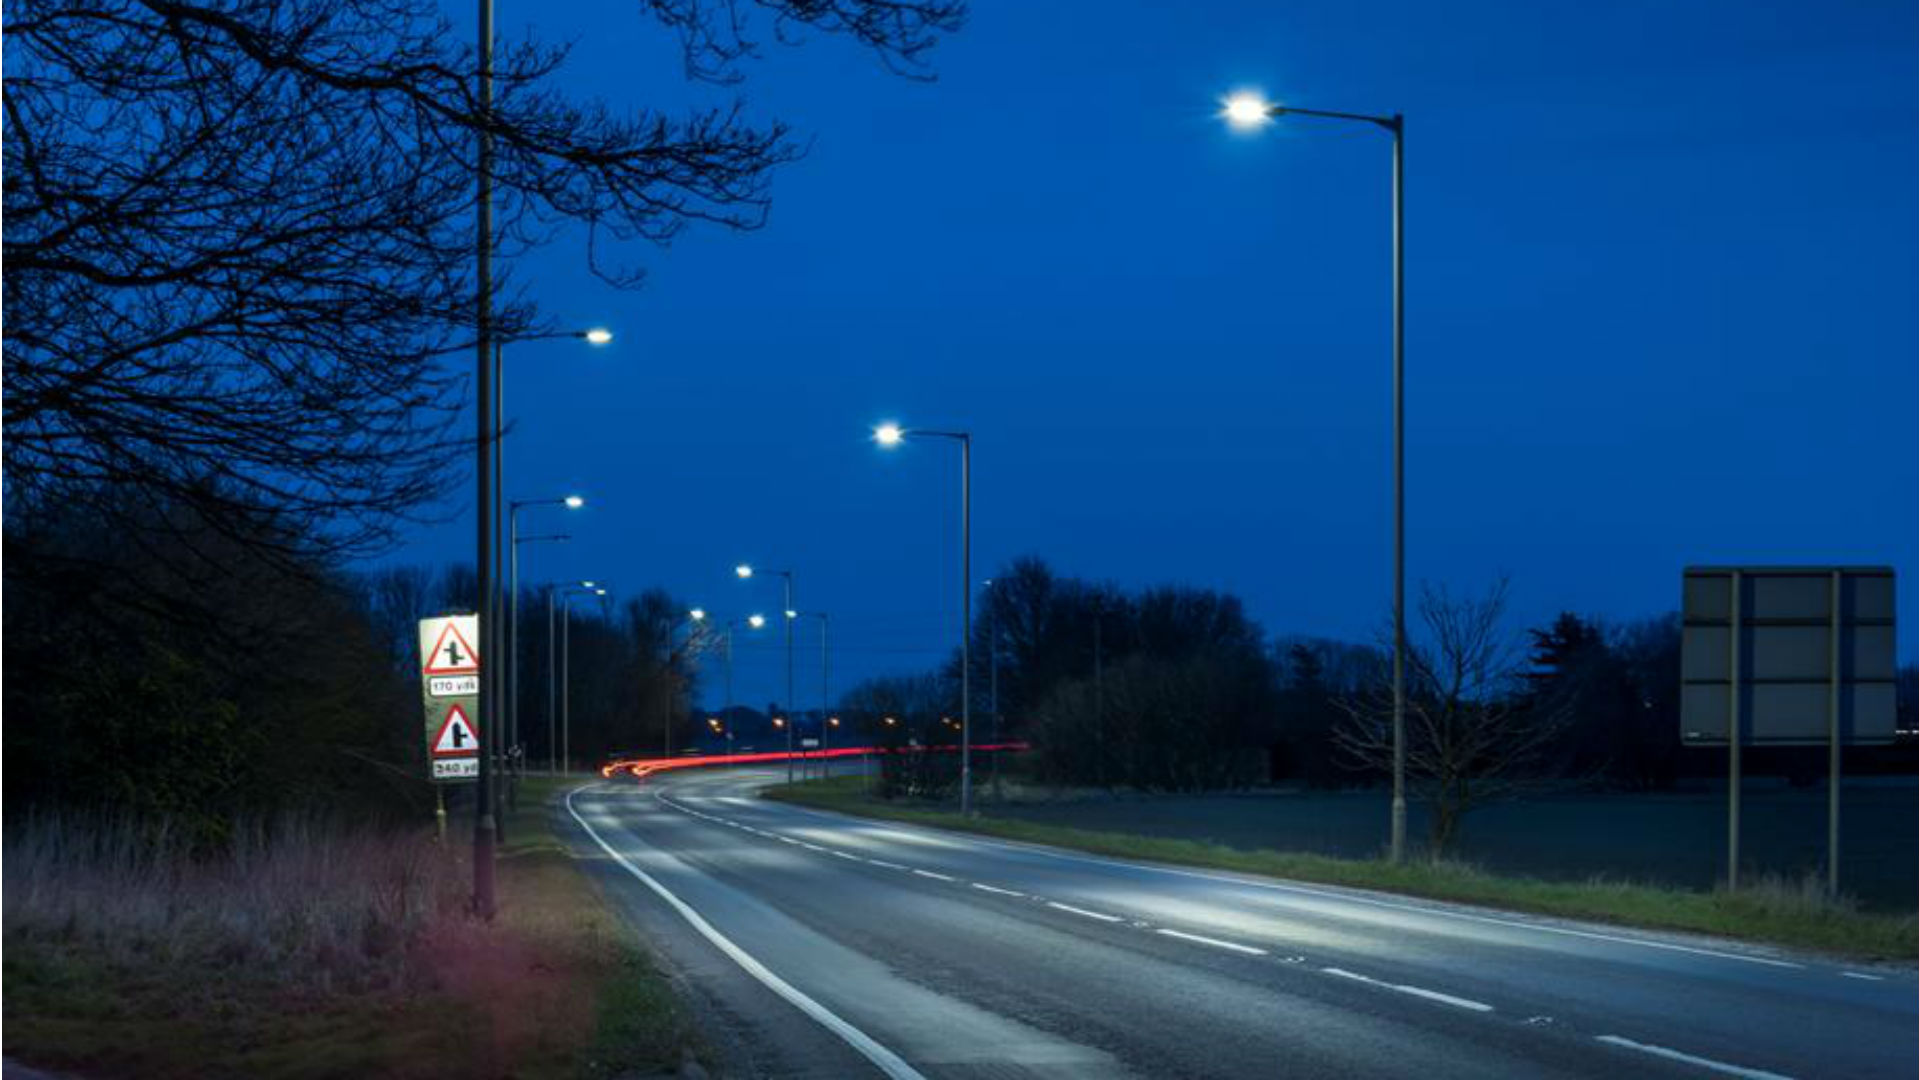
(885, 1060)
(962, 839)
(1082, 911)
(1416, 991)
(1863, 975)
(1215, 942)
(934, 876)
(1691, 1059)
(997, 889)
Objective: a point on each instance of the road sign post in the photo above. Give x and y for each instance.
(450, 692)
(1785, 656)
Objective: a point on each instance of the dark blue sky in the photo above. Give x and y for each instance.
(1663, 308)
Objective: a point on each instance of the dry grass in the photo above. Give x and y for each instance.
(308, 950)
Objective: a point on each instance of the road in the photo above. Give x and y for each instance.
(825, 946)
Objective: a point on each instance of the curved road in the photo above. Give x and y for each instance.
(827, 946)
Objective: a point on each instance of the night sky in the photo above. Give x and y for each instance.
(1663, 308)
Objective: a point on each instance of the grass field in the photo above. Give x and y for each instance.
(1791, 913)
(322, 953)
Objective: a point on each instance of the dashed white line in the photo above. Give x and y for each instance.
(1863, 975)
(1691, 1059)
(1416, 991)
(1214, 942)
(934, 876)
(888, 865)
(786, 840)
(848, 856)
(1068, 908)
(996, 889)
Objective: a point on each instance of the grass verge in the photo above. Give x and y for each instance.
(319, 953)
(1772, 912)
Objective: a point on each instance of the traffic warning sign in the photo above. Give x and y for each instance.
(457, 737)
(452, 651)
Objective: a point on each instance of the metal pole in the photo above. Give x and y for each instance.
(552, 745)
(1832, 736)
(502, 684)
(1398, 127)
(792, 714)
(513, 643)
(1733, 739)
(726, 710)
(1099, 696)
(992, 663)
(566, 688)
(483, 824)
(966, 625)
(826, 695)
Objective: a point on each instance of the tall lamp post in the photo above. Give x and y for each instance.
(554, 738)
(1248, 111)
(826, 696)
(746, 572)
(514, 540)
(696, 619)
(726, 711)
(890, 435)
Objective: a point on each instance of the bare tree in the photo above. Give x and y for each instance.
(1469, 740)
(239, 236)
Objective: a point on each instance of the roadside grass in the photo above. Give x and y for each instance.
(1771, 911)
(308, 950)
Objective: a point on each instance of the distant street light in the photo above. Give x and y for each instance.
(753, 622)
(890, 435)
(745, 572)
(564, 742)
(514, 540)
(1247, 111)
(694, 619)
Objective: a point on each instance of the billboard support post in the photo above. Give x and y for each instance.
(1733, 739)
(1832, 750)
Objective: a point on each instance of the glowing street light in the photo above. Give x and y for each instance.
(697, 614)
(756, 621)
(889, 435)
(598, 335)
(1246, 111)
(745, 572)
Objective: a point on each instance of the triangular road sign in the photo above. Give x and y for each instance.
(452, 653)
(457, 738)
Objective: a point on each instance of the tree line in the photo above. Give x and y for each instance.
(1176, 689)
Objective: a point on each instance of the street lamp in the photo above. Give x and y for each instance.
(826, 697)
(512, 695)
(890, 435)
(751, 622)
(564, 743)
(745, 572)
(695, 619)
(1247, 111)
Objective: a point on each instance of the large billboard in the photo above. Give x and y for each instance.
(1800, 645)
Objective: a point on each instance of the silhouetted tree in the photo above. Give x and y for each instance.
(1468, 740)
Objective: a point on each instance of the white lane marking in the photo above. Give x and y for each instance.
(996, 889)
(934, 876)
(844, 855)
(1215, 942)
(885, 1060)
(809, 847)
(1691, 1059)
(1416, 991)
(888, 865)
(1863, 975)
(963, 839)
(1082, 911)
(786, 840)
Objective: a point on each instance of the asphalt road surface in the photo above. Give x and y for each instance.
(824, 946)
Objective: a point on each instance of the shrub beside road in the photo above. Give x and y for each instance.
(1772, 911)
